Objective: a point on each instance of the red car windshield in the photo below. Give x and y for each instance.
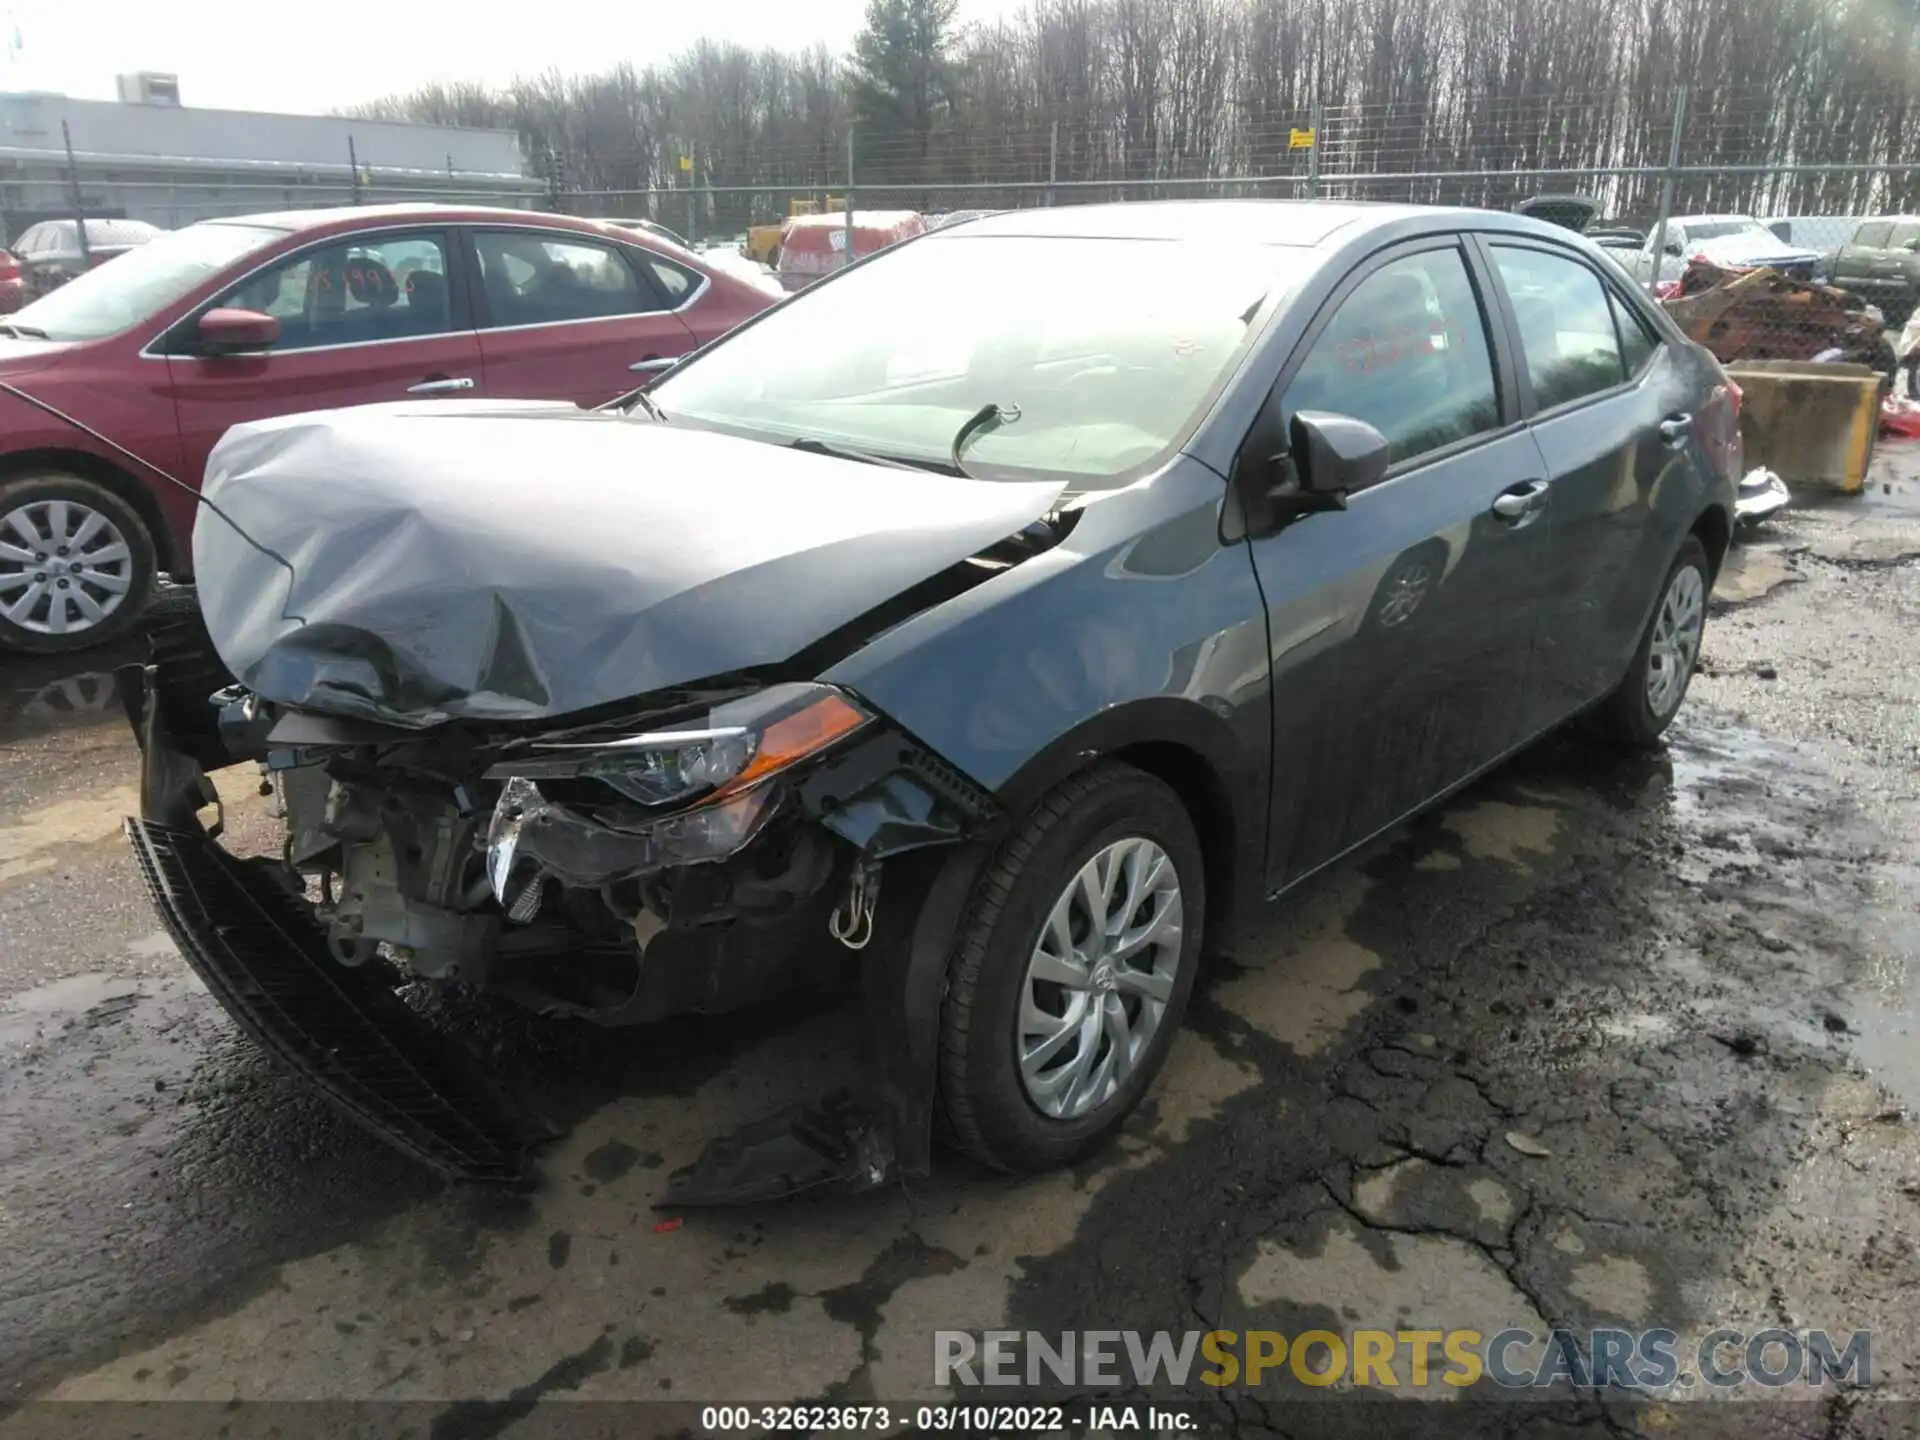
(140, 283)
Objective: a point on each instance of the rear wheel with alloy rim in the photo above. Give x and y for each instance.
(1071, 971)
(76, 564)
(1645, 702)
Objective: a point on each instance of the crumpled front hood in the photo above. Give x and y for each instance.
(417, 563)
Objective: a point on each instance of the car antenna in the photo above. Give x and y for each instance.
(987, 418)
(17, 393)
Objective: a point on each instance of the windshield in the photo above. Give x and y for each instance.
(1107, 349)
(133, 286)
(1721, 229)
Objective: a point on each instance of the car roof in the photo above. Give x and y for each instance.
(1255, 222)
(1712, 219)
(357, 215)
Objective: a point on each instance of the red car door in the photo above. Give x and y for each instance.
(565, 316)
(363, 318)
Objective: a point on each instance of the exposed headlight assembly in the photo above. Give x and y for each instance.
(674, 796)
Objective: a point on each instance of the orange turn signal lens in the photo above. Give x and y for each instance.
(792, 738)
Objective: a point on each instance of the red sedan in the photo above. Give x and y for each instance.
(141, 365)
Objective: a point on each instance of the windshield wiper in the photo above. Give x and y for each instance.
(987, 418)
(23, 332)
(847, 452)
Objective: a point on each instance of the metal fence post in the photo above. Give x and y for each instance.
(1666, 190)
(1053, 162)
(1317, 118)
(353, 162)
(79, 202)
(849, 202)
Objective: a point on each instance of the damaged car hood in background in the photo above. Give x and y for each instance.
(507, 562)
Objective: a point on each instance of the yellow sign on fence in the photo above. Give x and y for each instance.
(686, 162)
(1300, 140)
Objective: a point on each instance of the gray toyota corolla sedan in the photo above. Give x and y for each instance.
(991, 627)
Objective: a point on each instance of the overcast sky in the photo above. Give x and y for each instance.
(271, 55)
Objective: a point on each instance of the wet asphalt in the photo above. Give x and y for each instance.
(1607, 1040)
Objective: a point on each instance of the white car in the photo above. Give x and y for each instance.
(1731, 241)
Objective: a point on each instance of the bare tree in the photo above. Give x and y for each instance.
(1421, 99)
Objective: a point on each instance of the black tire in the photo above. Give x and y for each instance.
(1626, 716)
(137, 570)
(984, 1107)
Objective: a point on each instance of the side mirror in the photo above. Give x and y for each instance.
(1912, 247)
(1335, 455)
(232, 332)
(1673, 247)
(1306, 468)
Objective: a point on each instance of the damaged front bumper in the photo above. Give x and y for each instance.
(908, 833)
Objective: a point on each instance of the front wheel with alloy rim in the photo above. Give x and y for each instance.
(1640, 709)
(76, 564)
(1071, 971)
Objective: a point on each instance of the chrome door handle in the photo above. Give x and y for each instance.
(1674, 428)
(1521, 501)
(441, 386)
(654, 364)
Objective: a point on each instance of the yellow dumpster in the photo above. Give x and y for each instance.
(1813, 422)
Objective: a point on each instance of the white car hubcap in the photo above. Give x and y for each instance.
(64, 567)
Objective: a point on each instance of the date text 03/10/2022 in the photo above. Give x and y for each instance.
(975, 1419)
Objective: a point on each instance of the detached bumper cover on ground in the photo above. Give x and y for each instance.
(263, 957)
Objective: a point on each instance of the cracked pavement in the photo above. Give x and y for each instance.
(1607, 1040)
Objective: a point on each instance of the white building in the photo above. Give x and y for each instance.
(147, 157)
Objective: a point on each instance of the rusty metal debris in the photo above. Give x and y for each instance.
(1763, 314)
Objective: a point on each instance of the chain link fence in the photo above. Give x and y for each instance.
(1775, 231)
(1772, 233)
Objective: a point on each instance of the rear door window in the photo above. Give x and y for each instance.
(1567, 337)
(1872, 235)
(550, 279)
(678, 281)
(1637, 342)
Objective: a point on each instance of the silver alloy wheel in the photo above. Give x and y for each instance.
(1404, 593)
(1099, 979)
(64, 567)
(1676, 640)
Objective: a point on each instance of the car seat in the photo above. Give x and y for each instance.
(426, 312)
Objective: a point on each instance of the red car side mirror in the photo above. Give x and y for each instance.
(228, 332)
